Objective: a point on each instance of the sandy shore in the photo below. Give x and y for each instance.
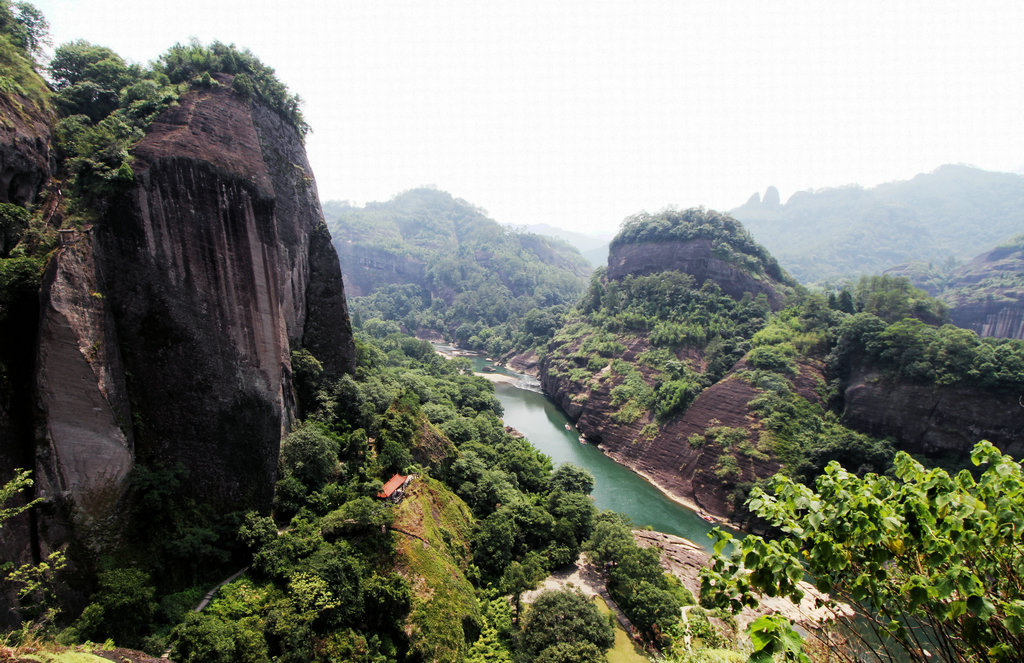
(498, 377)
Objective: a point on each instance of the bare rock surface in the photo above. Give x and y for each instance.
(934, 419)
(86, 417)
(168, 336)
(692, 257)
(684, 559)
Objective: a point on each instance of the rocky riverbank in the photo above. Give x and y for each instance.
(684, 559)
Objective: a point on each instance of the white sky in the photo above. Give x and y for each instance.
(577, 113)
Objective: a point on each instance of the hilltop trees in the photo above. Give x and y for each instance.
(25, 25)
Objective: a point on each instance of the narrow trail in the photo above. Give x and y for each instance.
(415, 536)
(209, 597)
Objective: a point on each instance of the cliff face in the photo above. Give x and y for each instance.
(687, 472)
(168, 329)
(26, 161)
(694, 257)
(997, 318)
(987, 294)
(934, 419)
(367, 269)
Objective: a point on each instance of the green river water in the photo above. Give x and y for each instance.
(615, 487)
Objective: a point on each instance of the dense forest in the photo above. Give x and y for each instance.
(438, 266)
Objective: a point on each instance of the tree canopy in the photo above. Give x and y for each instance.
(930, 563)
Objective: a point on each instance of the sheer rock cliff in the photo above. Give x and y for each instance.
(695, 257)
(167, 329)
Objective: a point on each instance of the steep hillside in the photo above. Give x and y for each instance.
(440, 267)
(828, 234)
(647, 359)
(706, 390)
(26, 165)
(986, 295)
(434, 529)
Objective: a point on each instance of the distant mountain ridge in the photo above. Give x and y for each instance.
(956, 211)
(593, 247)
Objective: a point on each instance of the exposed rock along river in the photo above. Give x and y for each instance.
(615, 487)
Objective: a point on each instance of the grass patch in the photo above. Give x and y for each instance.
(624, 651)
(444, 606)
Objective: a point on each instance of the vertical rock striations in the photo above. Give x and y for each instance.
(209, 271)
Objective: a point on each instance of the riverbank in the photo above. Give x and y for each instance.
(498, 377)
(678, 499)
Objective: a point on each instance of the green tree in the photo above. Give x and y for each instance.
(516, 580)
(25, 24)
(310, 455)
(33, 583)
(562, 617)
(572, 479)
(89, 79)
(488, 648)
(122, 608)
(931, 563)
(571, 652)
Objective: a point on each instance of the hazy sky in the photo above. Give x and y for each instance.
(577, 113)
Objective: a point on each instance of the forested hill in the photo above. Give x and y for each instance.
(826, 235)
(438, 266)
(689, 363)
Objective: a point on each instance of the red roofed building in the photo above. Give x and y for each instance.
(394, 489)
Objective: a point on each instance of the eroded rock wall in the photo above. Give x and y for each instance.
(666, 458)
(211, 270)
(26, 158)
(933, 419)
(693, 257)
(367, 268)
(85, 418)
(1000, 319)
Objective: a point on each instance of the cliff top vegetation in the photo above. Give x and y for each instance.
(730, 240)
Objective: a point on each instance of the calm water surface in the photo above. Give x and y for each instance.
(534, 415)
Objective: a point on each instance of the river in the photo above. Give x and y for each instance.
(615, 487)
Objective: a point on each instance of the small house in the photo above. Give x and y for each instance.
(394, 489)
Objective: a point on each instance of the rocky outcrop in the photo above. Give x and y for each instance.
(692, 474)
(934, 419)
(367, 268)
(26, 159)
(684, 559)
(987, 294)
(995, 317)
(694, 257)
(167, 333)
